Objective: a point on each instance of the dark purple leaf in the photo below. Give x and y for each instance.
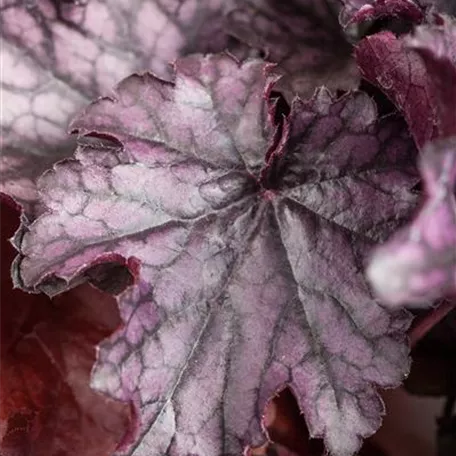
(437, 47)
(304, 37)
(250, 273)
(56, 57)
(418, 265)
(386, 62)
(47, 407)
(418, 74)
(356, 11)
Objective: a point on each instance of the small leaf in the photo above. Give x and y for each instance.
(250, 248)
(386, 62)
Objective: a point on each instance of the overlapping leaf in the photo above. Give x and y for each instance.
(418, 265)
(424, 254)
(57, 56)
(362, 10)
(418, 74)
(304, 37)
(250, 250)
(437, 47)
(387, 62)
(47, 352)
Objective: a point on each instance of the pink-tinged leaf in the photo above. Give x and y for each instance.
(418, 265)
(250, 250)
(437, 47)
(418, 74)
(286, 426)
(47, 352)
(304, 37)
(356, 11)
(58, 56)
(386, 62)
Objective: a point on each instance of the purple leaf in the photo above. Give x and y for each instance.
(304, 37)
(250, 249)
(399, 72)
(418, 265)
(356, 11)
(437, 47)
(48, 349)
(57, 57)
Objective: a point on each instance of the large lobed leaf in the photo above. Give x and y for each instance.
(250, 243)
(58, 56)
(48, 347)
(303, 37)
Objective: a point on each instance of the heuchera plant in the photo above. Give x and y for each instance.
(264, 190)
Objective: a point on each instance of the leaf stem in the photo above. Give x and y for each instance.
(424, 324)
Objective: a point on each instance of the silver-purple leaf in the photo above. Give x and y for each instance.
(303, 37)
(418, 265)
(250, 249)
(58, 56)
